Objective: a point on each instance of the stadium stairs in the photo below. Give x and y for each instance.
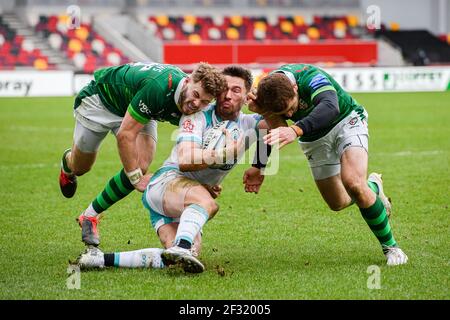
(419, 47)
(122, 32)
(55, 57)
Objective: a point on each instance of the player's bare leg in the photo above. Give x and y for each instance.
(74, 163)
(199, 206)
(167, 233)
(334, 193)
(80, 162)
(117, 188)
(353, 173)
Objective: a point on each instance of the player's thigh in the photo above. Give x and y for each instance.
(354, 161)
(175, 193)
(354, 176)
(86, 143)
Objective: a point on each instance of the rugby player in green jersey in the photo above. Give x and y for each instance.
(333, 132)
(128, 100)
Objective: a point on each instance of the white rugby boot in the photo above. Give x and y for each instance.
(91, 258)
(184, 257)
(395, 256)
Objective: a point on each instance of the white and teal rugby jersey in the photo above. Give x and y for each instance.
(193, 128)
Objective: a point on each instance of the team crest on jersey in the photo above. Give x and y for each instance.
(188, 126)
(353, 121)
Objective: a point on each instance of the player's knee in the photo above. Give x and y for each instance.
(355, 188)
(211, 207)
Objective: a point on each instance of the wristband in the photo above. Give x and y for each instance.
(134, 176)
(298, 131)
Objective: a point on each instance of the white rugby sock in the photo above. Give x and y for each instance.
(191, 222)
(90, 212)
(144, 258)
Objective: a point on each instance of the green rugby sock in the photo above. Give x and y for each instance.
(373, 186)
(64, 165)
(117, 188)
(377, 219)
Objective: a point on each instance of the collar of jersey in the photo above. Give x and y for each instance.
(288, 74)
(218, 118)
(178, 92)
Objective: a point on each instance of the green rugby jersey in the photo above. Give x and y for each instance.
(146, 90)
(311, 81)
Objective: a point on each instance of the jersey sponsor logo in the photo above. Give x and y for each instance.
(318, 82)
(143, 107)
(188, 126)
(346, 145)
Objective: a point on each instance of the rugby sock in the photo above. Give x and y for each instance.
(145, 258)
(377, 219)
(373, 186)
(191, 222)
(64, 165)
(116, 189)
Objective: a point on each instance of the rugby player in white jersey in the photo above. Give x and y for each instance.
(181, 194)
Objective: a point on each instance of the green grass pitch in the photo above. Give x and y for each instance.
(283, 243)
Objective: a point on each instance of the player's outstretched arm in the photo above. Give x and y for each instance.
(126, 142)
(253, 177)
(191, 157)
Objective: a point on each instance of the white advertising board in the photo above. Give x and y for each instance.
(36, 83)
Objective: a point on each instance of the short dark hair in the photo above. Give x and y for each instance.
(240, 72)
(274, 93)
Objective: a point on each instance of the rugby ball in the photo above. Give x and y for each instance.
(214, 138)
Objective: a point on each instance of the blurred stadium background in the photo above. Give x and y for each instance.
(367, 45)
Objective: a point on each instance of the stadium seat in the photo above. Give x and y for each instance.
(217, 27)
(85, 47)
